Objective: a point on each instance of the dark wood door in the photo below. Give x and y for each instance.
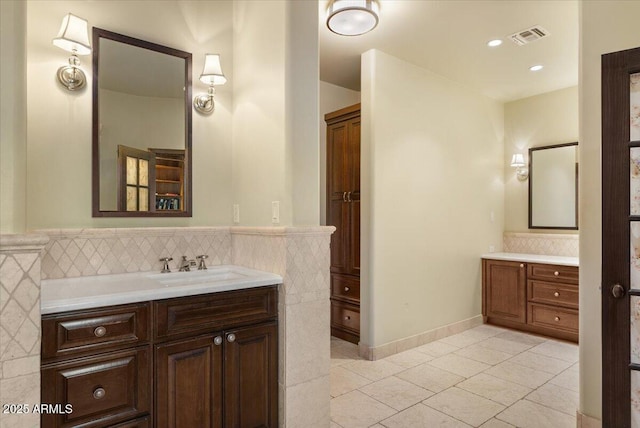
(621, 238)
(505, 290)
(189, 383)
(251, 377)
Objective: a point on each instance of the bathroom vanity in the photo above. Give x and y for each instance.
(534, 293)
(177, 349)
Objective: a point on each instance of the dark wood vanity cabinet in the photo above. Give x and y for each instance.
(536, 297)
(203, 361)
(343, 212)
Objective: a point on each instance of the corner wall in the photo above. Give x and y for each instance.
(605, 26)
(541, 120)
(432, 174)
(13, 122)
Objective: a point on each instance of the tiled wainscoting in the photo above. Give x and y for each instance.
(549, 244)
(20, 325)
(299, 255)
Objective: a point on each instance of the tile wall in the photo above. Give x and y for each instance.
(549, 244)
(20, 326)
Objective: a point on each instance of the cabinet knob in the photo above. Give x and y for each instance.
(217, 340)
(100, 331)
(99, 393)
(556, 273)
(347, 318)
(346, 289)
(556, 294)
(231, 337)
(556, 319)
(521, 265)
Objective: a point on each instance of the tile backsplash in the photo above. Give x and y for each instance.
(83, 252)
(549, 244)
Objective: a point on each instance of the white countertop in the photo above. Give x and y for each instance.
(533, 258)
(67, 294)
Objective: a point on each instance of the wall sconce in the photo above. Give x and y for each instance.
(73, 37)
(211, 75)
(517, 162)
(352, 17)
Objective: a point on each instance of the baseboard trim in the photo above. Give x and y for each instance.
(400, 345)
(584, 421)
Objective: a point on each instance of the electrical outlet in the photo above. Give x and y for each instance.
(275, 212)
(236, 213)
(493, 217)
(492, 249)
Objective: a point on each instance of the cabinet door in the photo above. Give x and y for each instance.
(339, 181)
(505, 290)
(251, 377)
(189, 383)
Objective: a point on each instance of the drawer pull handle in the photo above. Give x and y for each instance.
(231, 338)
(217, 340)
(99, 393)
(557, 319)
(100, 331)
(346, 289)
(556, 273)
(556, 294)
(347, 318)
(521, 265)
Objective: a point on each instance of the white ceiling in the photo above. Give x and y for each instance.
(449, 37)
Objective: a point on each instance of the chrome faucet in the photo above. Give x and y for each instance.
(185, 265)
(165, 266)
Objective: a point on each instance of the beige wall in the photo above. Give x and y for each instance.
(59, 122)
(332, 98)
(432, 174)
(13, 117)
(541, 120)
(275, 131)
(605, 26)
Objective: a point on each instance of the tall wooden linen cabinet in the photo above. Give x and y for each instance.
(343, 212)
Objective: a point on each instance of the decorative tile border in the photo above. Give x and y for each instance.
(541, 243)
(20, 324)
(84, 252)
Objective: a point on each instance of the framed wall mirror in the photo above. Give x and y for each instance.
(141, 134)
(553, 187)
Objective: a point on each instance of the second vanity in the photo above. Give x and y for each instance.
(147, 349)
(529, 292)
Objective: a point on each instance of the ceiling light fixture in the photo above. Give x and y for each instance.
(352, 17)
(536, 67)
(494, 43)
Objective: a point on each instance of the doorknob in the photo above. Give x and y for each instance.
(618, 291)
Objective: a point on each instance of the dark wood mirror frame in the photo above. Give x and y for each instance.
(531, 225)
(98, 34)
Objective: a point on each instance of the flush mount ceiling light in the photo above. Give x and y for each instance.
(352, 17)
(536, 67)
(494, 43)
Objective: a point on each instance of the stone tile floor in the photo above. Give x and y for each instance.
(487, 377)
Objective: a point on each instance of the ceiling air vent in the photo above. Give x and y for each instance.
(529, 35)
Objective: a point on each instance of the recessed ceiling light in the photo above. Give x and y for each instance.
(536, 67)
(494, 43)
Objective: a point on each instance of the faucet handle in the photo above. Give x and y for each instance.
(165, 267)
(201, 259)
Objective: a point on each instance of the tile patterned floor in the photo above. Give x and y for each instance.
(486, 377)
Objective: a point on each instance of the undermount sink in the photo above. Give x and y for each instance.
(209, 276)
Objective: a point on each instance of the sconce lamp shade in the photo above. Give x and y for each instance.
(352, 17)
(73, 35)
(517, 161)
(212, 72)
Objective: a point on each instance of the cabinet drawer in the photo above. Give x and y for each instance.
(553, 273)
(553, 317)
(345, 288)
(345, 316)
(84, 332)
(203, 314)
(554, 294)
(102, 390)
